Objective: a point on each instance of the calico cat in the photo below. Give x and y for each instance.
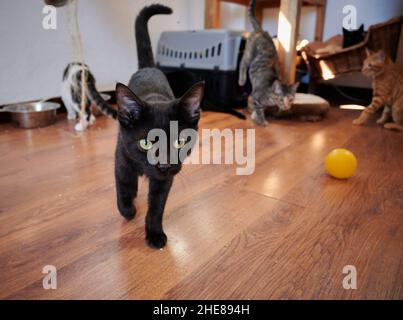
(145, 104)
(71, 95)
(387, 84)
(261, 58)
(352, 37)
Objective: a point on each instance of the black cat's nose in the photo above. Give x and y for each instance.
(163, 167)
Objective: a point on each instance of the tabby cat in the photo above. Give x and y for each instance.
(261, 58)
(387, 84)
(145, 104)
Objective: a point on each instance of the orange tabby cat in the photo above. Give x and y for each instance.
(388, 91)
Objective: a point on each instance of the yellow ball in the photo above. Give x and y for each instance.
(341, 163)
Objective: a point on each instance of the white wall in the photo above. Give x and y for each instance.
(32, 59)
(233, 16)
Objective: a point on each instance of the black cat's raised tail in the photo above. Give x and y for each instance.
(144, 50)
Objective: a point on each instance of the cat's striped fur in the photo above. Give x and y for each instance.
(261, 59)
(387, 84)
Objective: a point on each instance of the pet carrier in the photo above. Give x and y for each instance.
(211, 55)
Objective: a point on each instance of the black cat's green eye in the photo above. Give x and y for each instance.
(145, 144)
(179, 143)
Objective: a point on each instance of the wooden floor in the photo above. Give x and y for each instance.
(285, 232)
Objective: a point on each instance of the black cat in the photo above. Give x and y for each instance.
(148, 103)
(352, 37)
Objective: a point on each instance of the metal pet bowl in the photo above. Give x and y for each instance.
(33, 114)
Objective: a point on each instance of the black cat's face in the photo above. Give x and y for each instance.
(352, 37)
(138, 118)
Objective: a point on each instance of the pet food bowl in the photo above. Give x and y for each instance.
(33, 114)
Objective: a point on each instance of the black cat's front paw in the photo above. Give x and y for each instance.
(128, 212)
(156, 240)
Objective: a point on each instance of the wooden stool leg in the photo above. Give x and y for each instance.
(212, 14)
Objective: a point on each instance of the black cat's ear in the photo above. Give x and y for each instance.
(129, 105)
(189, 103)
(361, 28)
